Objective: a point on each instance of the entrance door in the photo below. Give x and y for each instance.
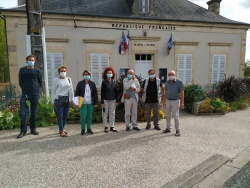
(142, 64)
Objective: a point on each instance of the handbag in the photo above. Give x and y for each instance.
(63, 100)
(126, 96)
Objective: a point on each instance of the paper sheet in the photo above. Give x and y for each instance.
(78, 101)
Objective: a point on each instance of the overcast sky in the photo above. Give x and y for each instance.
(238, 10)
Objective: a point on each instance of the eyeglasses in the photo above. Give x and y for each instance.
(62, 71)
(86, 74)
(171, 75)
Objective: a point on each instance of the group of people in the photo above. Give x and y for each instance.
(62, 93)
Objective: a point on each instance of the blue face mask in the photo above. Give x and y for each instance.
(31, 63)
(151, 76)
(129, 76)
(109, 75)
(86, 77)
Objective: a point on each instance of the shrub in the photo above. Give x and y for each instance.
(45, 115)
(232, 88)
(205, 106)
(241, 103)
(192, 93)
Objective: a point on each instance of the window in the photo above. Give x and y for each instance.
(144, 6)
(54, 61)
(143, 63)
(98, 63)
(218, 68)
(184, 70)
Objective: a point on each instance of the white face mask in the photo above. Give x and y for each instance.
(63, 74)
(171, 77)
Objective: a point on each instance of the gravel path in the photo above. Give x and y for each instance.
(147, 158)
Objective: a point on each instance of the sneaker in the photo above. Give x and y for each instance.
(113, 129)
(127, 128)
(83, 132)
(106, 129)
(136, 128)
(21, 135)
(157, 127)
(89, 131)
(34, 132)
(148, 126)
(166, 131)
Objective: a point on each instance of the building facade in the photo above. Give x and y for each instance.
(206, 47)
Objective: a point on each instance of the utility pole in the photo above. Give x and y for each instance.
(35, 40)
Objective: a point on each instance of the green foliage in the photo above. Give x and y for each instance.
(4, 67)
(232, 88)
(247, 69)
(241, 103)
(97, 114)
(192, 93)
(45, 115)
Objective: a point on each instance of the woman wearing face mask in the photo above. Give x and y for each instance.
(87, 89)
(109, 98)
(62, 94)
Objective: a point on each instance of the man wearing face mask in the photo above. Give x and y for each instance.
(151, 96)
(131, 88)
(173, 101)
(62, 93)
(30, 81)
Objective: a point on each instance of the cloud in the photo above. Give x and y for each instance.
(245, 3)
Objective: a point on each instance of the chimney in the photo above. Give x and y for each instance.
(21, 2)
(214, 6)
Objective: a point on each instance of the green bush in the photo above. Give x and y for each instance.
(45, 115)
(192, 93)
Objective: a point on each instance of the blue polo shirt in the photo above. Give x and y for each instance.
(174, 89)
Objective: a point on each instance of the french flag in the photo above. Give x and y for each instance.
(124, 44)
(170, 43)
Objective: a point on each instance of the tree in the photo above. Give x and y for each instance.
(247, 69)
(4, 68)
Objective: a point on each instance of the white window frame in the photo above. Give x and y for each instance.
(144, 6)
(54, 61)
(98, 63)
(219, 63)
(185, 68)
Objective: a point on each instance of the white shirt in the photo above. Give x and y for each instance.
(87, 95)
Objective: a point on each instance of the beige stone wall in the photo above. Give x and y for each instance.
(103, 35)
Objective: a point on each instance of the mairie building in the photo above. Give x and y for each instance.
(202, 46)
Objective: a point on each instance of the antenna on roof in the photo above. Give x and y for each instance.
(72, 14)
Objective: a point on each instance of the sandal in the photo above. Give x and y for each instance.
(63, 134)
(166, 131)
(106, 129)
(65, 131)
(177, 133)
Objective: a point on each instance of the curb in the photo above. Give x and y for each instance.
(198, 173)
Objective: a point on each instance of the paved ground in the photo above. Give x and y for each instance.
(241, 179)
(123, 159)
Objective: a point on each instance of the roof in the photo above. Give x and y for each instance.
(169, 10)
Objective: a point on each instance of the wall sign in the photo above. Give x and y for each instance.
(142, 27)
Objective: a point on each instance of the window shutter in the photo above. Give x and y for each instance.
(184, 72)
(181, 70)
(95, 68)
(218, 68)
(222, 67)
(54, 61)
(188, 76)
(98, 63)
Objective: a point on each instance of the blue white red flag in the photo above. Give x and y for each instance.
(123, 45)
(170, 43)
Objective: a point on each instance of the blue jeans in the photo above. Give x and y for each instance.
(62, 114)
(25, 110)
